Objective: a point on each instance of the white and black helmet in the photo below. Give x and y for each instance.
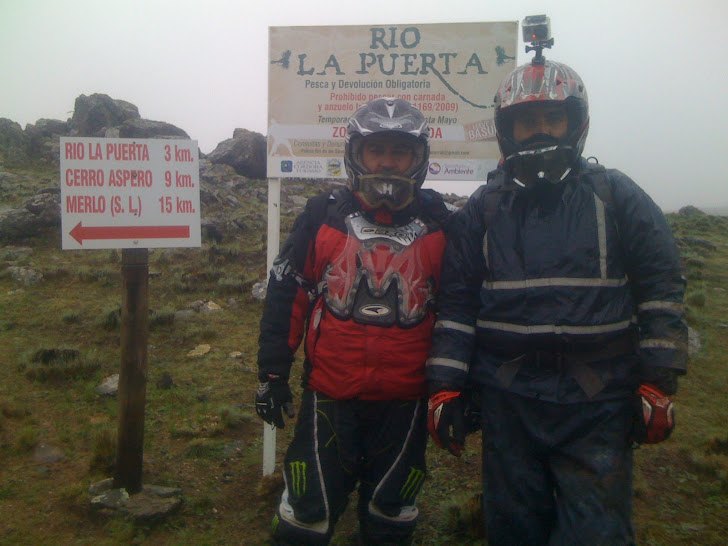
(394, 116)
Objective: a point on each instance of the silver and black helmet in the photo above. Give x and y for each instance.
(399, 118)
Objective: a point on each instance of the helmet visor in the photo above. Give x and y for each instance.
(386, 191)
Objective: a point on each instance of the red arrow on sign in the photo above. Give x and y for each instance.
(81, 233)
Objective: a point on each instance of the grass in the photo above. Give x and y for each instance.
(201, 432)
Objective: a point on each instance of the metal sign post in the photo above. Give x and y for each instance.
(274, 237)
(319, 76)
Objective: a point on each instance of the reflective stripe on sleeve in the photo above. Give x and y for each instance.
(554, 329)
(662, 306)
(452, 325)
(553, 281)
(448, 363)
(658, 344)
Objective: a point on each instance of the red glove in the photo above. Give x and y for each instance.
(445, 412)
(655, 415)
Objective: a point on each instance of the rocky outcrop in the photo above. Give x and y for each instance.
(94, 114)
(44, 137)
(36, 215)
(691, 211)
(14, 143)
(245, 152)
(145, 128)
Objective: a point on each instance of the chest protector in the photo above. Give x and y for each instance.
(381, 276)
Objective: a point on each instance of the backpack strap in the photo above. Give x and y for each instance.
(596, 176)
(493, 193)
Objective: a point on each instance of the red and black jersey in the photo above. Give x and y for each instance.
(362, 292)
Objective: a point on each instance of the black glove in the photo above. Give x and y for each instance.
(271, 396)
(445, 421)
(654, 417)
(434, 206)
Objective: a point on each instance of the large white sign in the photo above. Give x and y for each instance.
(129, 193)
(319, 76)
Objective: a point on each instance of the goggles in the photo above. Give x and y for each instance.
(386, 191)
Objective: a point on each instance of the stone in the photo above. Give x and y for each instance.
(14, 143)
(246, 152)
(145, 128)
(45, 454)
(184, 314)
(113, 499)
(299, 200)
(109, 386)
(152, 503)
(200, 350)
(210, 307)
(161, 491)
(25, 276)
(93, 114)
(12, 253)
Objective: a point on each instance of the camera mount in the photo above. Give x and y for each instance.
(537, 32)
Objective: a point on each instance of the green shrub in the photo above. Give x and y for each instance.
(59, 365)
(27, 439)
(111, 319)
(103, 451)
(204, 448)
(696, 299)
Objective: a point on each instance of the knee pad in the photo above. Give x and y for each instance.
(288, 530)
(380, 528)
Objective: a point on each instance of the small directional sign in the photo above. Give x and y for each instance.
(129, 193)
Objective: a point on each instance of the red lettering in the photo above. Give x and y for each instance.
(130, 151)
(74, 150)
(85, 177)
(86, 204)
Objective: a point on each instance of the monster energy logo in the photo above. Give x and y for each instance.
(412, 486)
(298, 478)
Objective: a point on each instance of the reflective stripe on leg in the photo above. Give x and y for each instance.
(402, 451)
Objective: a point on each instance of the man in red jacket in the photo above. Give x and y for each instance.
(358, 274)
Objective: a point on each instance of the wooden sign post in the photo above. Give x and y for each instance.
(133, 371)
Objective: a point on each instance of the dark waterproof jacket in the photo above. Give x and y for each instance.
(362, 292)
(565, 293)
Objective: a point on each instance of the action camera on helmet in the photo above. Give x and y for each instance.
(537, 32)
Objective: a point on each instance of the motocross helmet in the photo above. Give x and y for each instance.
(398, 118)
(543, 157)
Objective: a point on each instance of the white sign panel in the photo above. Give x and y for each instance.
(319, 76)
(129, 193)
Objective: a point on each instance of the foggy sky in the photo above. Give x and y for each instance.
(655, 71)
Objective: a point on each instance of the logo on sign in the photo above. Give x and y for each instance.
(434, 168)
(334, 167)
(287, 166)
(458, 170)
